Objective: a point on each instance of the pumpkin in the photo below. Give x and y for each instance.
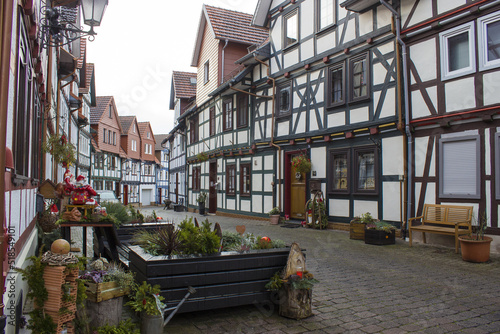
(60, 246)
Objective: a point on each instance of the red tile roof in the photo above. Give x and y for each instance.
(143, 126)
(126, 122)
(235, 26)
(101, 106)
(88, 78)
(183, 86)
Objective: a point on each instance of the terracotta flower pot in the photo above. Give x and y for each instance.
(475, 250)
(274, 219)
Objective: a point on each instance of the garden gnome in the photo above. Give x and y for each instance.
(82, 192)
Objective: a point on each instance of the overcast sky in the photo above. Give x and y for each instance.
(137, 47)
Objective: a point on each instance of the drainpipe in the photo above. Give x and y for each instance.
(272, 127)
(408, 177)
(223, 59)
(7, 11)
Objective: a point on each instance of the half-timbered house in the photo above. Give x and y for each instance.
(162, 155)
(333, 72)
(106, 130)
(453, 55)
(219, 126)
(131, 165)
(182, 97)
(148, 164)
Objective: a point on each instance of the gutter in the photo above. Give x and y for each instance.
(223, 59)
(408, 175)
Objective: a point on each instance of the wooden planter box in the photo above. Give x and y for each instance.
(376, 237)
(357, 231)
(221, 280)
(98, 292)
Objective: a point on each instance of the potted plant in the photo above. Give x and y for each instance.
(274, 215)
(301, 163)
(380, 233)
(475, 247)
(146, 300)
(202, 197)
(358, 224)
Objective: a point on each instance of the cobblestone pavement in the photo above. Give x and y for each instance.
(364, 288)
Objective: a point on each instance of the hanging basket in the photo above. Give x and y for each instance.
(301, 163)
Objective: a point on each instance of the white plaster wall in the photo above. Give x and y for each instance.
(268, 179)
(384, 17)
(256, 181)
(379, 73)
(283, 128)
(447, 5)
(392, 156)
(243, 137)
(245, 205)
(350, 32)
(336, 119)
(269, 162)
(307, 23)
(392, 199)
(318, 160)
(422, 12)
(487, 154)
(301, 126)
(291, 58)
(459, 94)
(230, 204)
(420, 144)
(423, 55)
(307, 49)
(275, 64)
(257, 204)
(325, 42)
(313, 120)
(359, 115)
(389, 104)
(491, 87)
(365, 23)
(268, 204)
(339, 207)
(361, 207)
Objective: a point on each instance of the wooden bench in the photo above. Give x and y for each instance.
(442, 219)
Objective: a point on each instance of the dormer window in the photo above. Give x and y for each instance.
(133, 128)
(110, 112)
(148, 135)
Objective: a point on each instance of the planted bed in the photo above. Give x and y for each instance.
(221, 280)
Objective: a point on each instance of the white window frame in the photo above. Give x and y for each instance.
(482, 37)
(134, 145)
(443, 41)
(460, 173)
(291, 14)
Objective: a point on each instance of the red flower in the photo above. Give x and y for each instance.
(144, 302)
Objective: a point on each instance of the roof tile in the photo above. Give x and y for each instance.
(183, 86)
(235, 26)
(101, 106)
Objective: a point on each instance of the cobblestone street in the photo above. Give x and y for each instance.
(364, 288)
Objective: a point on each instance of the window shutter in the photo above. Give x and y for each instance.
(459, 170)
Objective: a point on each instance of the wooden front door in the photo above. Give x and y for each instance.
(212, 192)
(297, 195)
(125, 194)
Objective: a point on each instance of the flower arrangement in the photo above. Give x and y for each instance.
(380, 226)
(301, 163)
(62, 151)
(146, 298)
(202, 156)
(274, 211)
(202, 197)
(365, 218)
(244, 242)
(316, 207)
